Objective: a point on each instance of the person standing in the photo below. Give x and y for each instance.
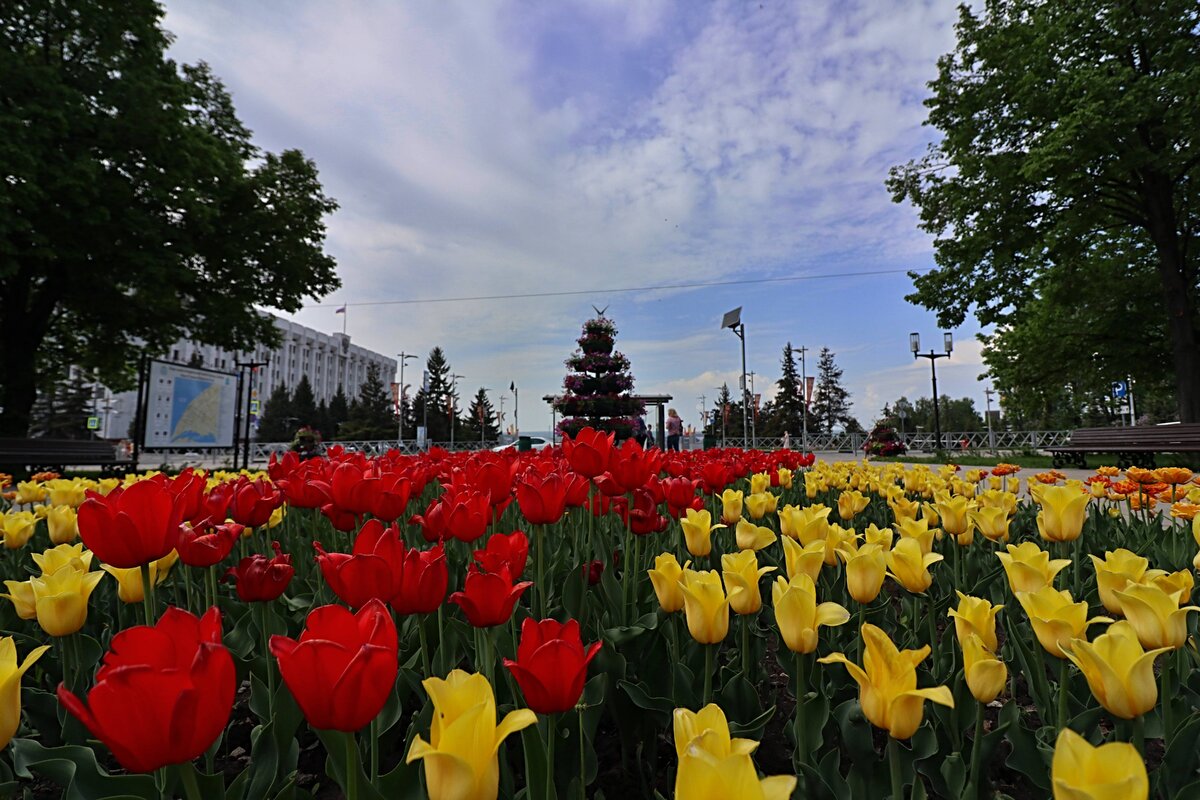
(674, 429)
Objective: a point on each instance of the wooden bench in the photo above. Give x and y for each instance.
(1136, 445)
(56, 455)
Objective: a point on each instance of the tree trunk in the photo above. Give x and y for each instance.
(24, 321)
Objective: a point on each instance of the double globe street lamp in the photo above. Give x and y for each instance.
(914, 343)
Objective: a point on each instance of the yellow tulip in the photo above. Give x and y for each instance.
(1029, 567)
(731, 506)
(994, 498)
(803, 559)
(10, 686)
(903, 508)
(975, 616)
(865, 570)
(838, 537)
(1170, 582)
(706, 606)
(930, 515)
(276, 517)
(760, 504)
(814, 484)
(741, 571)
(51, 560)
(918, 530)
(954, 513)
(710, 729)
(880, 536)
(1118, 671)
(21, 595)
(909, 567)
(1056, 618)
(1114, 572)
(665, 578)
(991, 522)
(61, 598)
(18, 527)
(851, 504)
(798, 614)
(985, 673)
(105, 485)
(1064, 509)
(785, 477)
(65, 492)
(806, 524)
(888, 690)
(1113, 771)
(760, 482)
(702, 776)
(697, 531)
(1155, 614)
(460, 757)
(29, 492)
(129, 581)
(753, 537)
(62, 524)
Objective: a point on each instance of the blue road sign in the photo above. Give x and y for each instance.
(1120, 389)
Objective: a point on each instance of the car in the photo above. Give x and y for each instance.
(535, 443)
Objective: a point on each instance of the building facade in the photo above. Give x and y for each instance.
(329, 360)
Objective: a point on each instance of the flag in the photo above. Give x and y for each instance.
(341, 310)
(512, 387)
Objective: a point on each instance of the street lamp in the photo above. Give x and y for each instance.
(404, 357)
(450, 405)
(914, 344)
(733, 321)
(988, 392)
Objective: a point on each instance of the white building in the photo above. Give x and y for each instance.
(329, 360)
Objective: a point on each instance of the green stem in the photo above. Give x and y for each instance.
(746, 622)
(541, 571)
(708, 672)
(977, 752)
(1064, 677)
(263, 614)
(550, 737)
(352, 768)
(374, 733)
(210, 588)
(191, 787)
(147, 593)
(582, 756)
(858, 640)
(440, 665)
(1168, 696)
(801, 691)
(1139, 733)
(187, 587)
(424, 647)
(894, 768)
(933, 642)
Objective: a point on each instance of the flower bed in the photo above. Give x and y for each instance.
(595, 621)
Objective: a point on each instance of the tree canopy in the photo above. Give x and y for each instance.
(136, 210)
(1068, 150)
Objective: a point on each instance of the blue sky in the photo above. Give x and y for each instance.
(483, 148)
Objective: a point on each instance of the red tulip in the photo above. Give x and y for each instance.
(214, 507)
(488, 598)
(131, 527)
(680, 492)
(204, 546)
(551, 665)
(631, 466)
(594, 571)
(262, 579)
(588, 452)
(389, 496)
(543, 500)
(163, 694)
(307, 486)
(343, 668)
(339, 518)
(608, 486)
(371, 571)
(467, 514)
(189, 487)
(432, 522)
(348, 490)
(253, 502)
(423, 582)
(505, 551)
(644, 518)
(715, 477)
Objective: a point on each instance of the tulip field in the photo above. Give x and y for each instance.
(599, 620)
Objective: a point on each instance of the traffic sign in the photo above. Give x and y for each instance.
(93, 423)
(1120, 389)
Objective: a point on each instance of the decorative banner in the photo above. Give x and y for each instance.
(808, 390)
(396, 397)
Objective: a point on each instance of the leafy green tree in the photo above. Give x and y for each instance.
(278, 422)
(832, 404)
(371, 414)
(322, 422)
(135, 209)
(955, 414)
(440, 398)
(481, 419)
(788, 409)
(1069, 130)
(304, 406)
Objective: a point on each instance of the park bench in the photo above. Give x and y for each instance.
(56, 455)
(1135, 445)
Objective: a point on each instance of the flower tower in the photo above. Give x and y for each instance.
(598, 385)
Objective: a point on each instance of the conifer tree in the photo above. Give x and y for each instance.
(788, 409)
(304, 406)
(339, 412)
(481, 422)
(832, 404)
(437, 398)
(599, 386)
(371, 414)
(277, 422)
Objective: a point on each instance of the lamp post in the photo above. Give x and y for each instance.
(450, 405)
(404, 357)
(803, 402)
(914, 343)
(253, 367)
(733, 321)
(988, 392)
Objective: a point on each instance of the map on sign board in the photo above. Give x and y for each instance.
(189, 407)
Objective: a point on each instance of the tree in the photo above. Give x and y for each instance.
(955, 414)
(481, 424)
(62, 408)
(1068, 131)
(832, 404)
(278, 422)
(304, 406)
(339, 412)
(726, 416)
(599, 387)
(788, 409)
(136, 210)
(371, 413)
(322, 422)
(440, 398)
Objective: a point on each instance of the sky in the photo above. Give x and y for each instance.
(515, 148)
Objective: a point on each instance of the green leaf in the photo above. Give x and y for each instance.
(662, 706)
(74, 768)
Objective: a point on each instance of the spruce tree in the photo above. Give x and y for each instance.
(338, 413)
(304, 405)
(277, 423)
(321, 423)
(599, 386)
(481, 419)
(788, 410)
(371, 414)
(437, 398)
(832, 404)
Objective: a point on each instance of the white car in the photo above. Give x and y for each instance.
(535, 443)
